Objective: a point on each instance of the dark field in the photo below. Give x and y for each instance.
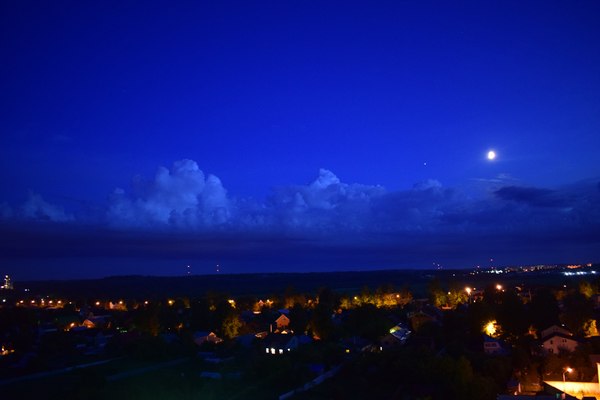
(276, 283)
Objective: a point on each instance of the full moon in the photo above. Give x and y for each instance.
(491, 155)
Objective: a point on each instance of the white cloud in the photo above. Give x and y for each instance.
(37, 208)
(179, 197)
(183, 198)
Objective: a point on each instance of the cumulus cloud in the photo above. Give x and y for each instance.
(36, 208)
(179, 197)
(324, 205)
(183, 199)
(182, 213)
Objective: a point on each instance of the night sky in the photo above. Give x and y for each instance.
(140, 137)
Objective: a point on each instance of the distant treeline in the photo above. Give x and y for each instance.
(265, 284)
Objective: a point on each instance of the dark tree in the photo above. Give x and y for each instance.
(367, 321)
(577, 311)
(511, 315)
(543, 309)
(298, 318)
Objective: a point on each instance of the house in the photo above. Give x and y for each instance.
(557, 342)
(493, 346)
(98, 321)
(555, 329)
(400, 332)
(396, 337)
(389, 341)
(356, 344)
(277, 343)
(202, 337)
(419, 318)
(280, 324)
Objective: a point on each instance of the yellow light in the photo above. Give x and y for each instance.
(120, 301)
(146, 302)
(490, 328)
(171, 302)
(569, 370)
(498, 287)
(97, 303)
(468, 290)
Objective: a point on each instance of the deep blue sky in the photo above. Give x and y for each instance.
(344, 135)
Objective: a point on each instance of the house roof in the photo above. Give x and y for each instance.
(555, 329)
(200, 334)
(560, 335)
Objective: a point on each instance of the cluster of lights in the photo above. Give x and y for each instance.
(272, 350)
(579, 273)
(42, 302)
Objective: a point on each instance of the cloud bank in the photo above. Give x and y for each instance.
(183, 212)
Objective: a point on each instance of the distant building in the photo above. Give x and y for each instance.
(557, 342)
(555, 329)
(280, 324)
(419, 318)
(8, 285)
(397, 337)
(98, 321)
(277, 343)
(206, 337)
(493, 346)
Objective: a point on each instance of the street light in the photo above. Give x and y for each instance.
(567, 370)
(468, 290)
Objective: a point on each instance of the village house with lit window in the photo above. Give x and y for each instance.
(557, 338)
(557, 342)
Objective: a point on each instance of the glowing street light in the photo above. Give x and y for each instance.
(498, 287)
(567, 370)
